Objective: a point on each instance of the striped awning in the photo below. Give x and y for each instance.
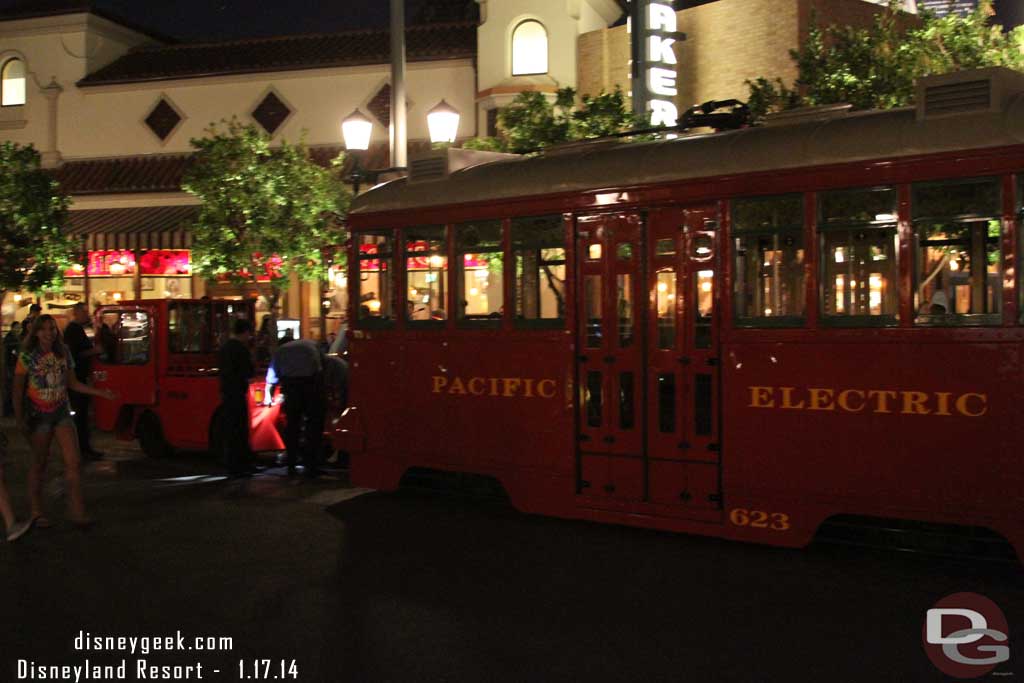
(152, 227)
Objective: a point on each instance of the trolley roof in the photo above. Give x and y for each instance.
(847, 138)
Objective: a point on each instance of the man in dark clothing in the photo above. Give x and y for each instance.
(297, 367)
(235, 366)
(82, 351)
(12, 341)
(34, 311)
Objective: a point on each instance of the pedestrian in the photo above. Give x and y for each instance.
(297, 367)
(12, 340)
(236, 369)
(42, 379)
(14, 528)
(82, 352)
(34, 311)
(335, 395)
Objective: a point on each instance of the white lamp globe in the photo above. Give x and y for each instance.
(443, 122)
(356, 129)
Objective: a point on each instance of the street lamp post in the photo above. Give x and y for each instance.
(356, 129)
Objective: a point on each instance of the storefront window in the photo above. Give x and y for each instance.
(959, 260)
(769, 261)
(859, 264)
(479, 249)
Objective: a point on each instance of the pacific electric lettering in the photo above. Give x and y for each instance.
(661, 59)
(880, 401)
(504, 387)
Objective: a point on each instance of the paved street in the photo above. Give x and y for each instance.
(414, 588)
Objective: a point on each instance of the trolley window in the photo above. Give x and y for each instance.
(959, 260)
(426, 273)
(375, 286)
(480, 252)
(859, 257)
(538, 251)
(769, 248)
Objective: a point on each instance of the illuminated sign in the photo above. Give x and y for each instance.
(659, 38)
(121, 262)
(654, 29)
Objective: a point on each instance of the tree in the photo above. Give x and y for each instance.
(34, 251)
(532, 122)
(266, 211)
(877, 67)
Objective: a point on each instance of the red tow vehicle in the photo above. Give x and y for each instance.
(160, 357)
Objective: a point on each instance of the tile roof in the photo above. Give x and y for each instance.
(164, 172)
(159, 173)
(287, 53)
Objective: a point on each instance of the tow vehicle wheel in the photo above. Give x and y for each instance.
(151, 437)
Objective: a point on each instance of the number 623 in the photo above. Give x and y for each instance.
(758, 519)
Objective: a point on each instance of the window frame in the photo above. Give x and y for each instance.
(355, 276)
(560, 323)
(547, 48)
(823, 228)
(120, 338)
(736, 233)
(3, 79)
(458, 290)
(948, 319)
(445, 298)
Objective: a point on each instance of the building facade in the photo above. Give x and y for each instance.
(112, 108)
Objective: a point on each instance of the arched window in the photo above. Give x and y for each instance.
(12, 83)
(529, 49)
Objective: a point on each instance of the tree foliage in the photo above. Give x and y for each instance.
(877, 67)
(532, 121)
(265, 210)
(34, 250)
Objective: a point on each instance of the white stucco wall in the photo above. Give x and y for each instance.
(564, 20)
(109, 120)
(60, 49)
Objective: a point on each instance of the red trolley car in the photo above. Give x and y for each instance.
(741, 334)
(160, 358)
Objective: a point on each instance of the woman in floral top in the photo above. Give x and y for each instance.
(41, 381)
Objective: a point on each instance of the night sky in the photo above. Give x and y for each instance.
(204, 20)
(211, 20)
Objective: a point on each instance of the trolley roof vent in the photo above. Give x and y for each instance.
(967, 92)
(439, 164)
(808, 115)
